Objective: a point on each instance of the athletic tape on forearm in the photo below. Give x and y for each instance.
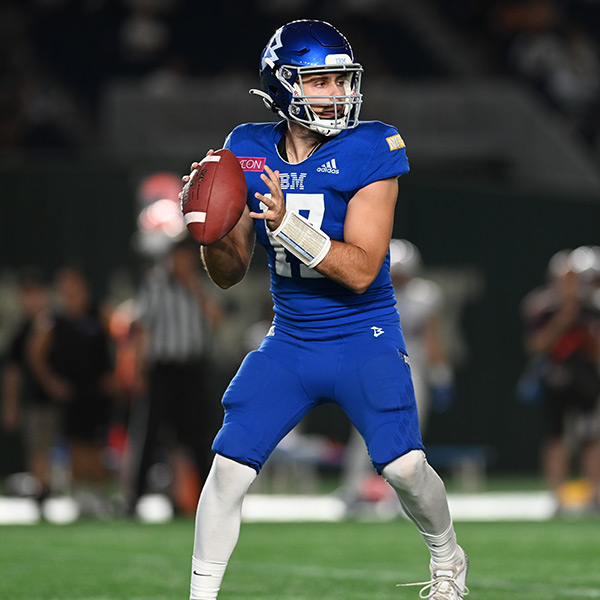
(302, 239)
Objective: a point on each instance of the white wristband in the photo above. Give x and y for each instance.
(302, 239)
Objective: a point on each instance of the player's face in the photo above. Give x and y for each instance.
(319, 85)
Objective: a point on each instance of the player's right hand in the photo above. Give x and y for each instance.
(193, 167)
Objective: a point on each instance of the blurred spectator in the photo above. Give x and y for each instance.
(563, 333)
(172, 408)
(71, 355)
(565, 65)
(49, 116)
(58, 56)
(25, 403)
(145, 35)
(553, 49)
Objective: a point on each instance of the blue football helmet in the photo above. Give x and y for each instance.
(307, 47)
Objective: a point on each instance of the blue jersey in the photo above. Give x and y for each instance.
(320, 188)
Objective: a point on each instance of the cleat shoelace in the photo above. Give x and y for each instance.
(442, 587)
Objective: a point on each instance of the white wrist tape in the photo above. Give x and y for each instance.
(302, 239)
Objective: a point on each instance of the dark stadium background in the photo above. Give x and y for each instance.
(503, 175)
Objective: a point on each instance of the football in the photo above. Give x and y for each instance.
(214, 197)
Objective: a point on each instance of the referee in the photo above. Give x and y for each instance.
(172, 410)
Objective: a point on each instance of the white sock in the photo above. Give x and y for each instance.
(423, 497)
(443, 548)
(206, 579)
(218, 521)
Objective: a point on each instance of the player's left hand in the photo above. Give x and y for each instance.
(275, 202)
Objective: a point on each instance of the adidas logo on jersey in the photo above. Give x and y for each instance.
(329, 167)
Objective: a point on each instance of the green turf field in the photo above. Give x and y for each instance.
(119, 560)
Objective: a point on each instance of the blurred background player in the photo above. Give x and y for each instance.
(72, 356)
(563, 334)
(26, 406)
(172, 416)
(420, 303)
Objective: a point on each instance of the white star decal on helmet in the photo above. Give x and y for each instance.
(270, 56)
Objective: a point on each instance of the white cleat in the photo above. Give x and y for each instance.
(447, 583)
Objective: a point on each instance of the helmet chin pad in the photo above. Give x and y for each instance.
(326, 127)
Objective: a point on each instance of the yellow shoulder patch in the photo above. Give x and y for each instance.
(395, 142)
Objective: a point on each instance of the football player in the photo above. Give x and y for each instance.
(562, 320)
(322, 188)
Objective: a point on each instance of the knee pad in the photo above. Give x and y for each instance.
(406, 471)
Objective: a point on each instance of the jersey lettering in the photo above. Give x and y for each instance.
(292, 181)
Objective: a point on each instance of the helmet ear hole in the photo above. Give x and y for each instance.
(287, 74)
(273, 90)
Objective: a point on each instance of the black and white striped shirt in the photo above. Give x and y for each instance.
(173, 316)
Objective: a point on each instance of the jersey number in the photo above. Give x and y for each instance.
(310, 206)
